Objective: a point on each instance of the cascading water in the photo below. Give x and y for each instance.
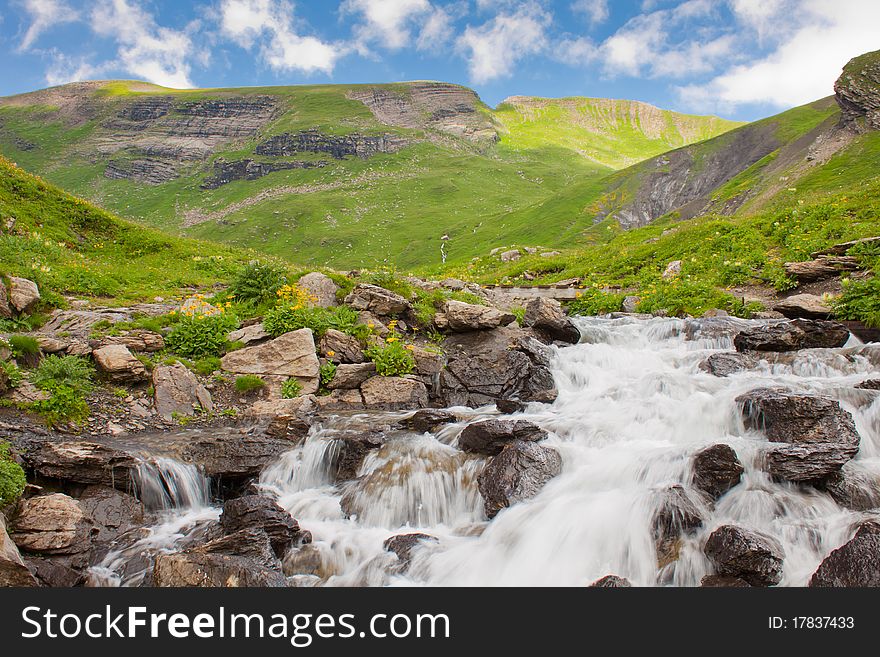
(633, 408)
(164, 484)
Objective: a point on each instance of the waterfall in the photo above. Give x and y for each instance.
(163, 484)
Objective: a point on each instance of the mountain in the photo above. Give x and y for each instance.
(347, 176)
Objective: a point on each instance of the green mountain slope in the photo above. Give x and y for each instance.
(346, 176)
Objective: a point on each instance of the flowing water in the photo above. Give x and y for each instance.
(633, 408)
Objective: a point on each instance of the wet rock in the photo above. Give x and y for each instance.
(483, 367)
(509, 406)
(306, 560)
(716, 470)
(804, 306)
(260, 512)
(792, 336)
(403, 544)
(518, 473)
(24, 295)
(722, 582)
(820, 269)
(80, 461)
(726, 364)
(854, 488)
(138, 341)
(547, 317)
(821, 437)
(243, 559)
(870, 384)
(321, 287)
(350, 377)
(855, 564)
(489, 437)
(611, 582)
(339, 347)
(177, 391)
(394, 393)
(53, 524)
(747, 555)
(118, 365)
(113, 511)
(463, 317)
(249, 335)
(231, 456)
(676, 515)
(352, 450)
(13, 571)
(291, 355)
(378, 301)
(429, 419)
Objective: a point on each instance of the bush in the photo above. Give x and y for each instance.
(593, 302)
(258, 282)
(392, 358)
(14, 377)
(290, 389)
(23, 345)
(64, 372)
(206, 366)
(860, 302)
(293, 317)
(249, 383)
(12, 479)
(327, 374)
(65, 405)
(201, 331)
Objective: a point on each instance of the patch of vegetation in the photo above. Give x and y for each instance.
(327, 374)
(71, 373)
(201, 330)
(64, 405)
(23, 345)
(206, 366)
(287, 317)
(12, 478)
(291, 389)
(391, 358)
(592, 301)
(258, 282)
(14, 375)
(249, 383)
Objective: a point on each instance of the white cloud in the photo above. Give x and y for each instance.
(496, 46)
(805, 64)
(388, 23)
(45, 14)
(596, 11)
(147, 50)
(64, 69)
(271, 23)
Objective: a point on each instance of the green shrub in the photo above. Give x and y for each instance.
(860, 302)
(592, 301)
(391, 359)
(286, 318)
(14, 376)
(12, 479)
(201, 335)
(290, 389)
(206, 366)
(23, 345)
(257, 282)
(520, 313)
(65, 405)
(327, 374)
(64, 372)
(249, 383)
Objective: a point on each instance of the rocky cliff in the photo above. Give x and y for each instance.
(858, 93)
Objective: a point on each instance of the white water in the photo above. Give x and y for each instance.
(633, 408)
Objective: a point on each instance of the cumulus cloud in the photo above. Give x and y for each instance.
(271, 24)
(390, 23)
(64, 69)
(804, 64)
(495, 47)
(596, 11)
(45, 14)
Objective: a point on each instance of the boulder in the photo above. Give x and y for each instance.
(351, 452)
(792, 336)
(139, 341)
(23, 294)
(306, 560)
(248, 335)
(402, 545)
(260, 512)
(13, 571)
(113, 511)
(291, 355)
(177, 391)
(243, 559)
(870, 384)
(489, 437)
(509, 406)
(52, 345)
(611, 582)
(80, 461)
(854, 488)
(716, 470)
(518, 473)
(340, 400)
(547, 317)
(321, 287)
(394, 393)
(804, 306)
(820, 436)
(350, 377)
(429, 419)
(675, 515)
(339, 347)
(820, 269)
(747, 555)
(118, 364)
(510, 256)
(853, 565)
(378, 300)
(233, 456)
(463, 317)
(53, 525)
(726, 364)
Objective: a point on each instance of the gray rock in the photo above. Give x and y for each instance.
(675, 515)
(510, 256)
(53, 524)
(804, 306)
(747, 555)
(716, 470)
(547, 317)
(341, 348)
(23, 294)
(518, 473)
(139, 341)
(351, 452)
(463, 317)
(321, 287)
(726, 364)
(394, 393)
(350, 377)
(249, 335)
(792, 336)
(853, 565)
(291, 355)
(260, 512)
(429, 419)
(118, 364)
(820, 269)
(489, 437)
(631, 304)
(178, 391)
(113, 511)
(378, 301)
(80, 461)
(855, 489)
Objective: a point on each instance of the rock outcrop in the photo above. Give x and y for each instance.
(291, 355)
(313, 141)
(858, 93)
(177, 391)
(227, 172)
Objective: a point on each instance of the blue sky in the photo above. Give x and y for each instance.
(738, 58)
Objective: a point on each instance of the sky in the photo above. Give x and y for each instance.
(742, 59)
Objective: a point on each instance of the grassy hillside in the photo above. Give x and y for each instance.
(450, 179)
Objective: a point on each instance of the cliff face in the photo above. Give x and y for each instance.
(858, 93)
(313, 141)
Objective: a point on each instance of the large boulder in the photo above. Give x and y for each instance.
(321, 287)
(53, 524)
(23, 294)
(394, 393)
(518, 473)
(460, 317)
(675, 515)
(716, 470)
(792, 336)
(855, 564)
(489, 437)
(747, 555)
(804, 306)
(113, 511)
(177, 391)
(13, 571)
(547, 317)
(378, 300)
(260, 512)
(507, 363)
(819, 436)
(726, 364)
(79, 461)
(854, 488)
(291, 355)
(118, 365)
(340, 347)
